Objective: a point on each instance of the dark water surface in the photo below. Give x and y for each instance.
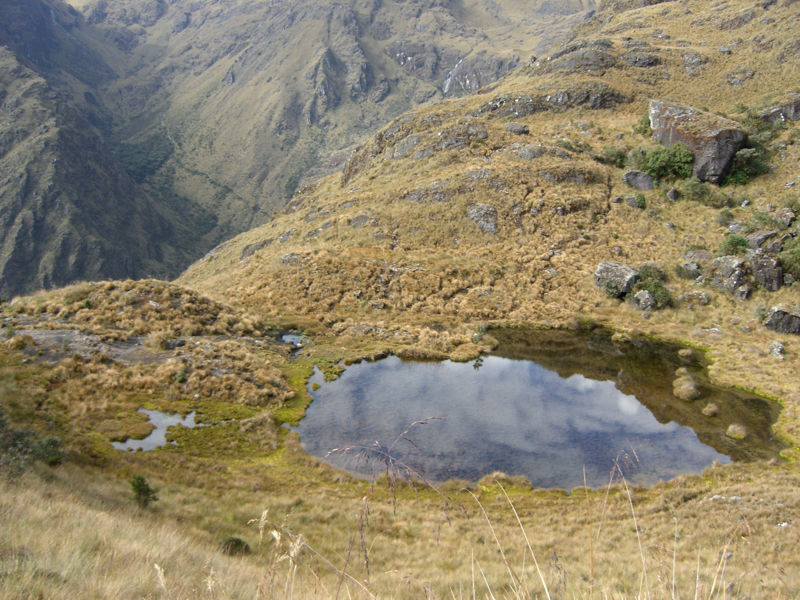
(545, 405)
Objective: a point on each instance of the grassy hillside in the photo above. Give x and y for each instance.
(486, 210)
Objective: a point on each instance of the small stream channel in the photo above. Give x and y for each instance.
(544, 405)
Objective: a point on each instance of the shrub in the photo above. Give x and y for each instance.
(652, 278)
(661, 163)
(641, 201)
(747, 164)
(762, 220)
(694, 189)
(733, 244)
(614, 155)
(16, 449)
(49, 451)
(143, 494)
(724, 217)
(234, 546)
(683, 272)
(790, 258)
(611, 289)
(642, 127)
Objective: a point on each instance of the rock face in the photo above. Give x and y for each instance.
(713, 139)
(485, 217)
(783, 319)
(638, 180)
(621, 275)
(728, 272)
(785, 112)
(768, 272)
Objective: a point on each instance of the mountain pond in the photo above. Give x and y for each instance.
(545, 405)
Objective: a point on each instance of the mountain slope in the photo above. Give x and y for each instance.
(499, 207)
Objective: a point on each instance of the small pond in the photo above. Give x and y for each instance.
(544, 405)
(157, 437)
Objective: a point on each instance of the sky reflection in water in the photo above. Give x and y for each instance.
(510, 415)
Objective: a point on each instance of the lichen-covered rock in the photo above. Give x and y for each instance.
(757, 239)
(767, 272)
(711, 410)
(485, 217)
(777, 350)
(517, 128)
(728, 272)
(785, 216)
(744, 291)
(644, 300)
(642, 60)
(586, 59)
(789, 111)
(696, 297)
(713, 139)
(783, 318)
(623, 276)
(638, 180)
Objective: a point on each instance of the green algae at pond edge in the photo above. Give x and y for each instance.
(545, 404)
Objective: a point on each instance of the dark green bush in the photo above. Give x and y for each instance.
(762, 220)
(747, 164)
(790, 258)
(641, 201)
(683, 272)
(642, 127)
(733, 244)
(724, 217)
(611, 289)
(49, 451)
(234, 546)
(143, 494)
(652, 278)
(661, 163)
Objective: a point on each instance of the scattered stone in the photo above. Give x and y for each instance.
(745, 203)
(700, 256)
(711, 410)
(735, 227)
(785, 216)
(251, 249)
(644, 300)
(743, 292)
(728, 272)
(692, 269)
(773, 462)
(755, 240)
(788, 279)
(616, 199)
(632, 201)
(777, 350)
(641, 60)
(693, 61)
(485, 217)
(646, 314)
(638, 180)
(783, 318)
(767, 272)
(700, 298)
(517, 128)
(685, 352)
(736, 432)
(740, 76)
(673, 194)
(623, 276)
(290, 259)
(669, 225)
(713, 139)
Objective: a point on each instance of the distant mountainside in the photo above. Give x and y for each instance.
(202, 118)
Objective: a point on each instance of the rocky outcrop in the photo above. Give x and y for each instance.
(783, 318)
(644, 300)
(767, 272)
(728, 272)
(789, 111)
(620, 275)
(638, 180)
(594, 95)
(485, 217)
(714, 140)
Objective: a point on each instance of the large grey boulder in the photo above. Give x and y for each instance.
(713, 139)
(783, 318)
(785, 112)
(623, 276)
(645, 301)
(728, 272)
(767, 272)
(638, 180)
